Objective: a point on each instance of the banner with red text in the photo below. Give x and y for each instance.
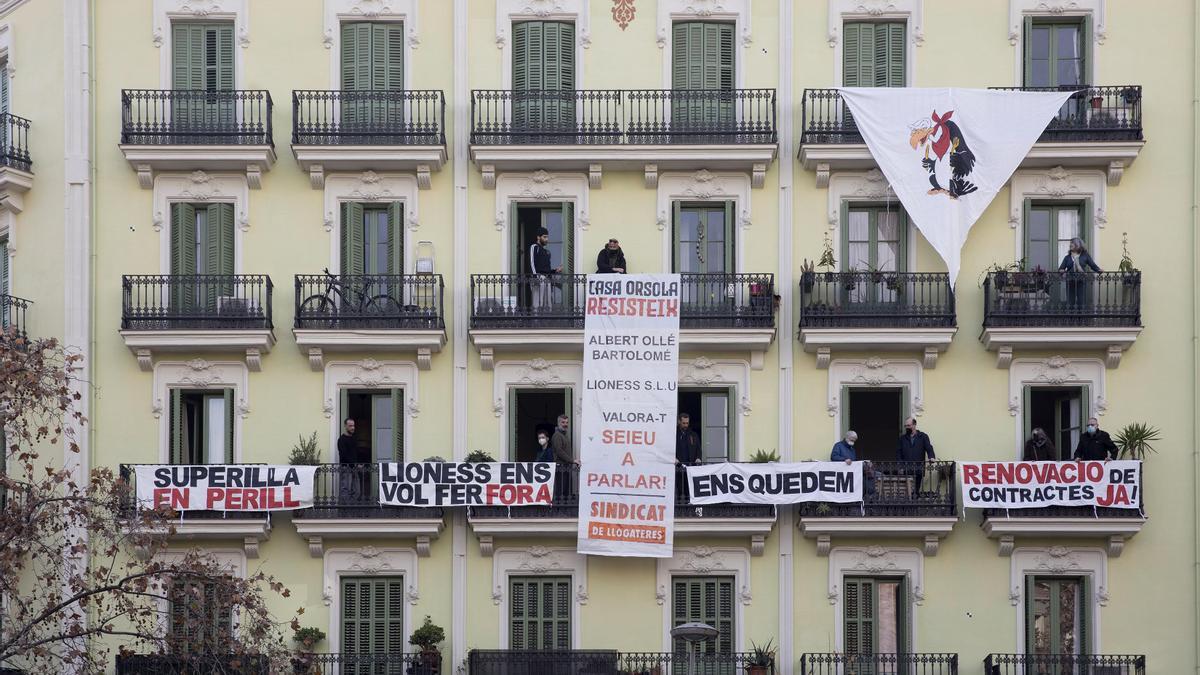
(466, 484)
(225, 487)
(775, 483)
(1025, 485)
(627, 439)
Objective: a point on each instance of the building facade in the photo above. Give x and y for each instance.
(231, 293)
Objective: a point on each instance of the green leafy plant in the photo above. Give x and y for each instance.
(761, 456)
(428, 636)
(1126, 267)
(827, 261)
(305, 452)
(762, 656)
(434, 458)
(1002, 272)
(1134, 440)
(808, 276)
(308, 636)
(478, 457)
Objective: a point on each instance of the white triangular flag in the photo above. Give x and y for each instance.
(947, 152)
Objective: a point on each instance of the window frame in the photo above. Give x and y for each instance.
(1084, 22)
(399, 411)
(563, 601)
(888, 69)
(728, 634)
(377, 584)
(729, 207)
(213, 634)
(1083, 206)
(176, 425)
(904, 625)
(1083, 620)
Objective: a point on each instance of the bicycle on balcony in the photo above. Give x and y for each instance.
(343, 299)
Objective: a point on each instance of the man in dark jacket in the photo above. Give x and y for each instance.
(611, 259)
(687, 442)
(843, 451)
(540, 265)
(1039, 448)
(1094, 444)
(914, 446)
(348, 455)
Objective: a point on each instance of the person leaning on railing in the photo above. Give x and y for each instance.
(611, 259)
(914, 448)
(1076, 263)
(1039, 448)
(843, 451)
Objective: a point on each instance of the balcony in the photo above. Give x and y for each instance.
(1061, 310)
(12, 317)
(186, 664)
(369, 130)
(871, 311)
(197, 313)
(391, 312)
(560, 520)
(1098, 127)
(580, 661)
(1064, 664)
(190, 130)
(346, 505)
(520, 312)
(878, 664)
(367, 664)
(904, 499)
(651, 130)
(16, 175)
(250, 527)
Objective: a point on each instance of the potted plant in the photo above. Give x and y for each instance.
(827, 261)
(1129, 273)
(1134, 439)
(850, 279)
(761, 456)
(1097, 99)
(876, 274)
(478, 457)
(762, 658)
(428, 636)
(892, 281)
(305, 452)
(808, 276)
(305, 661)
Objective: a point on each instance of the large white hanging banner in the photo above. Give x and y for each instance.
(224, 487)
(947, 152)
(630, 376)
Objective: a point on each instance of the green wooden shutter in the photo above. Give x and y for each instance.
(177, 430)
(889, 55)
(183, 239)
(677, 230)
(397, 425)
(730, 229)
(858, 55)
(1026, 220)
(4, 268)
(356, 71)
(1085, 610)
(219, 40)
(187, 58)
(373, 615)
(229, 418)
(395, 241)
(219, 244)
(1027, 57)
(352, 239)
(568, 262)
(1085, 221)
(1085, 35)
(540, 613)
(343, 411)
(1027, 425)
(1030, 627)
(706, 600)
(4, 87)
(520, 56)
(858, 611)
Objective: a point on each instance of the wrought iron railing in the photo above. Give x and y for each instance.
(385, 117)
(876, 300)
(14, 144)
(367, 664)
(1111, 113)
(556, 301)
(352, 491)
(369, 301)
(129, 505)
(196, 117)
(12, 317)
(623, 117)
(566, 502)
(196, 301)
(878, 664)
(192, 664)
(1062, 299)
(898, 489)
(1064, 664)
(581, 661)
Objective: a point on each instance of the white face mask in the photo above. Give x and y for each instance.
(850, 443)
(1091, 429)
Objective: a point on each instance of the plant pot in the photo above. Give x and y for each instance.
(756, 670)
(1097, 101)
(807, 281)
(1129, 278)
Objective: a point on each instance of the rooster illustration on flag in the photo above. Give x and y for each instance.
(951, 159)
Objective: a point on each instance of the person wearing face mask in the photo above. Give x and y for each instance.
(915, 448)
(545, 453)
(1039, 448)
(843, 451)
(1094, 444)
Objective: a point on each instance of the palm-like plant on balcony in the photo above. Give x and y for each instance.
(1134, 440)
(808, 275)
(478, 457)
(305, 452)
(762, 657)
(827, 261)
(1125, 267)
(761, 456)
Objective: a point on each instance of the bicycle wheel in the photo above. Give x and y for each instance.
(384, 307)
(317, 309)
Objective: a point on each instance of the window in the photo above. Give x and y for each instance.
(372, 238)
(541, 613)
(558, 219)
(543, 65)
(201, 620)
(372, 60)
(873, 54)
(702, 59)
(703, 238)
(874, 617)
(202, 61)
(877, 415)
(706, 600)
(201, 429)
(1056, 615)
(531, 411)
(1049, 228)
(709, 414)
(875, 238)
(1059, 411)
(202, 247)
(1057, 52)
(379, 423)
(373, 616)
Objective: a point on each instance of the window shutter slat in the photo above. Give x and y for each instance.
(850, 48)
(177, 430)
(349, 56)
(679, 55)
(395, 242)
(394, 63)
(352, 238)
(224, 57)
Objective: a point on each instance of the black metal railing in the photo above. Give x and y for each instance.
(556, 301)
(12, 316)
(367, 664)
(352, 491)
(878, 664)
(196, 117)
(623, 117)
(14, 144)
(1064, 664)
(566, 502)
(406, 117)
(196, 301)
(369, 301)
(192, 664)
(1062, 299)
(1112, 113)
(609, 662)
(898, 489)
(876, 300)
(129, 506)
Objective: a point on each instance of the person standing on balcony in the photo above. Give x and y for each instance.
(347, 447)
(611, 259)
(564, 454)
(540, 263)
(545, 453)
(914, 447)
(843, 451)
(1095, 445)
(1039, 448)
(687, 442)
(1076, 263)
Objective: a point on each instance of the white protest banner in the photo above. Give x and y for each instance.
(466, 484)
(630, 373)
(775, 483)
(947, 152)
(221, 487)
(1024, 485)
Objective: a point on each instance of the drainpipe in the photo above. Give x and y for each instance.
(1195, 145)
(787, 530)
(460, 105)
